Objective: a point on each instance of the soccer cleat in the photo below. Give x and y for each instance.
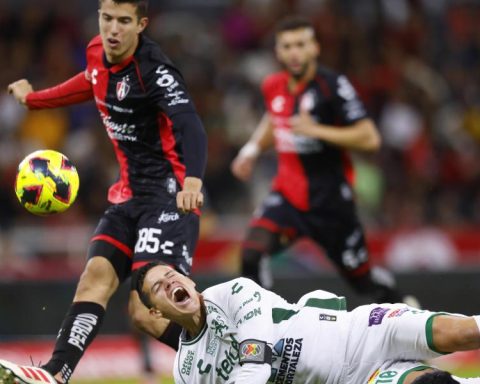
(411, 301)
(11, 373)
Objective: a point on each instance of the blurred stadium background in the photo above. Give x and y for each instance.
(416, 63)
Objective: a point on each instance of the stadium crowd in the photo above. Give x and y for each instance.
(415, 63)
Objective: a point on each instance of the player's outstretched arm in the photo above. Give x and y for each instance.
(262, 139)
(456, 333)
(361, 135)
(73, 91)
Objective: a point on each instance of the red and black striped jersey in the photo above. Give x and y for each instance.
(311, 170)
(136, 100)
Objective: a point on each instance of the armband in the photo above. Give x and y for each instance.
(255, 351)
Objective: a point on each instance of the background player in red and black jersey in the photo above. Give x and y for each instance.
(313, 115)
(160, 145)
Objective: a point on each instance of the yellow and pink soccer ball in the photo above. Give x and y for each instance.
(46, 183)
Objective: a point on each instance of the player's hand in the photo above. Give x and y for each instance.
(242, 167)
(304, 124)
(191, 196)
(20, 89)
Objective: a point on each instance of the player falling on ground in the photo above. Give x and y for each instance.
(313, 115)
(238, 332)
(160, 145)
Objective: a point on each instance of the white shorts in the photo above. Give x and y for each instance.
(383, 334)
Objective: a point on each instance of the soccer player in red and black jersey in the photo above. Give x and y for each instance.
(313, 115)
(160, 145)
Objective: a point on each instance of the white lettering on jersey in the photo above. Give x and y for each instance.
(278, 104)
(113, 107)
(287, 142)
(166, 217)
(166, 79)
(120, 132)
(345, 88)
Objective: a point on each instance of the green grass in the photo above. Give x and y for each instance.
(466, 371)
(162, 380)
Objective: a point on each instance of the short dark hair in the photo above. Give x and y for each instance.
(138, 278)
(292, 23)
(435, 377)
(142, 6)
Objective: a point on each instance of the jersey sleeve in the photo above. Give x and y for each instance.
(250, 307)
(166, 88)
(346, 103)
(73, 91)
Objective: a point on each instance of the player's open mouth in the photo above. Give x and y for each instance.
(180, 295)
(113, 42)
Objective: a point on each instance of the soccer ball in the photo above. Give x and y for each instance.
(46, 183)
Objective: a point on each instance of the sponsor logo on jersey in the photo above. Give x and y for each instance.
(377, 315)
(166, 217)
(327, 317)
(398, 312)
(81, 329)
(231, 359)
(187, 363)
(120, 132)
(307, 102)
(288, 142)
(123, 87)
(288, 351)
(177, 98)
(250, 315)
(212, 346)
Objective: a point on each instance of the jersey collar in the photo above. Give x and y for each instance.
(115, 68)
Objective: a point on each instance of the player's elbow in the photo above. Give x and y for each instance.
(374, 142)
(371, 138)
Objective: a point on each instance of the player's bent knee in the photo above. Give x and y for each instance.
(455, 333)
(98, 281)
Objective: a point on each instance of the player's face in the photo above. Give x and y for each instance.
(119, 29)
(171, 293)
(297, 50)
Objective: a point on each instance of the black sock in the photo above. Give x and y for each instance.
(79, 328)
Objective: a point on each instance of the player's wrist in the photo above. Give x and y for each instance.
(251, 149)
(192, 183)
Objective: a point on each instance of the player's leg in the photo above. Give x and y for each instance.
(270, 231)
(109, 263)
(344, 243)
(163, 234)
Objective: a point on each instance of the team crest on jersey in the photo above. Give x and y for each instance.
(123, 87)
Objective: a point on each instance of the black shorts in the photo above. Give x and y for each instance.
(336, 229)
(140, 231)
